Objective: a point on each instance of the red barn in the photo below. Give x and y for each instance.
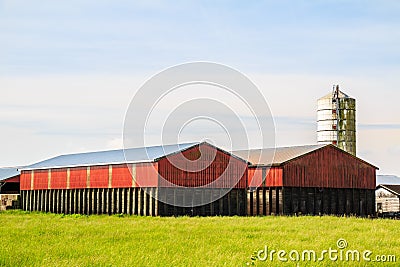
(161, 180)
(317, 179)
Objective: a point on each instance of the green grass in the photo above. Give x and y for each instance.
(39, 239)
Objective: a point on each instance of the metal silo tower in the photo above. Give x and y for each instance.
(337, 120)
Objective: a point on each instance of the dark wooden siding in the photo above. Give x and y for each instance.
(231, 204)
(329, 168)
(335, 201)
(221, 171)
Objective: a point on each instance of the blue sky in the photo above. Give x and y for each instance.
(69, 68)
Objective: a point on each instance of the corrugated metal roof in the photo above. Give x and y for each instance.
(6, 173)
(394, 188)
(275, 156)
(133, 155)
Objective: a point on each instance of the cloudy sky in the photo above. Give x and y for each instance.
(68, 69)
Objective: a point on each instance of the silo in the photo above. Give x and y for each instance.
(337, 120)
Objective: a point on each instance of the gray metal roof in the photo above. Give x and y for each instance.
(6, 173)
(275, 156)
(133, 155)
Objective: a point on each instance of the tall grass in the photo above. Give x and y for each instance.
(39, 239)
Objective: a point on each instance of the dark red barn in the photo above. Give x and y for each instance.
(317, 179)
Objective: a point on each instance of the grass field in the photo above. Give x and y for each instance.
(39, 239)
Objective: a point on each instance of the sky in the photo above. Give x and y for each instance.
(69, 69)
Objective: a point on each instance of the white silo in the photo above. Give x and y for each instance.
(337, 120)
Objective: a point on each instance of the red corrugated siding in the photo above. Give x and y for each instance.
(58, 178)
(41, 180)
(99, 177)
(121, 176)
(254, 177)
(146, 175)
(25, 180)
(274, 177)
(77, 178)
(329, 167)
(224, 173)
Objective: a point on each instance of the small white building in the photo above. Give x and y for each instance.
(387, 198)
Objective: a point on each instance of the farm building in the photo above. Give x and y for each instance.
(387, 198)
(317, 179)
(140, 181)
(9, 188)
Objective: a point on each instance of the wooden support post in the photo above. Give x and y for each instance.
(105, 200)
(155, 201)
(221, 203)
(84, 202)
(135, 201)
(229, 197)
(23, 200)
(144, 206)
(50, 200)
(45, 195)
(123, 199)
(40, 204)
(62, 202)
(260, 201)
(66, 201)
(118, 200)
(92, 201)
(38, 200)
(249, 203)
(128, 201)
(140, 200)
(34, 200)
(58, 204)
(55, 200)
(70, 201)
(89, 201)
(28, 200)
(98, 201)
(108, 196)
(73, 203)
(46, 200)
(77, 201)
(150, 208)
